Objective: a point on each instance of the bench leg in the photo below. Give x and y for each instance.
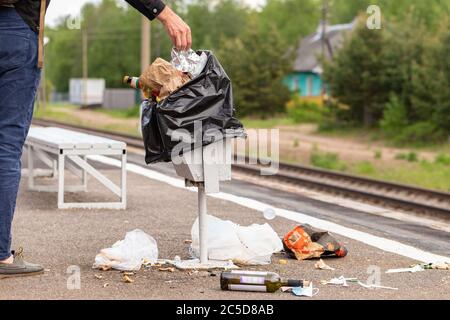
(84, 179)
(61, 180)
(123, 197)
(30, 168)
(54, 169)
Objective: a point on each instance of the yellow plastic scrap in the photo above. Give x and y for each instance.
(127, 279)
(169, 269)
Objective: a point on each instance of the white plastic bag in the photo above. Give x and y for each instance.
(252, 245)
(129, 254)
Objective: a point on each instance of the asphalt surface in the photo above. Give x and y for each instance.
(61, 239)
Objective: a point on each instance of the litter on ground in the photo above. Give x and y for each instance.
(416, 268)
(128, 254)
(251, 245)
(341, 281)
(304, 242)
(322, 265)
(375, 286)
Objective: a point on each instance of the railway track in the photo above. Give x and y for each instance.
(384, 193)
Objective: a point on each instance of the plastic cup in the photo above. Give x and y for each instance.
(269, 213)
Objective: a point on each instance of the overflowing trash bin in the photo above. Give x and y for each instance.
(188, 118)
(199, 112)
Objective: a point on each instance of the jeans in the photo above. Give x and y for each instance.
(19, 79)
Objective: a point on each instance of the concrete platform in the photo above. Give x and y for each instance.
(59, 239)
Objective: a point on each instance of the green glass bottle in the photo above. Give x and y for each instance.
(238, 280)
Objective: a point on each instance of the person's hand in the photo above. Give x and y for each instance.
(178, 30)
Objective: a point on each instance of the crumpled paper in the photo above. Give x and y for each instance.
(321, 265)
(162, 77)
(189, 61)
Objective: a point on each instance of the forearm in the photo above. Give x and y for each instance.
(178, 31)
(149, 8)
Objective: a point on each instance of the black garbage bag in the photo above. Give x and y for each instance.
(205, 102)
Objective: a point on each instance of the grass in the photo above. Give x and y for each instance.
(121, 113)
(431, 175)
(410, 156)
(269, 123)
(327, 160)
(373, 135)
(424, 174)
(116, 120)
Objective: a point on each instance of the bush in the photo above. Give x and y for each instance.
(133, 112)
(442, 159)
(327, 160)
(303, 111)
(365, 168)
(394, 116)
(420, 134)
(410, 157)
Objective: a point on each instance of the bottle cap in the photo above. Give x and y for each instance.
(295, 283)
(126, 79)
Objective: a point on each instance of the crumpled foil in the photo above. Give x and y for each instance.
(189, 61)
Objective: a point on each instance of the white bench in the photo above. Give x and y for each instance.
(59, 149)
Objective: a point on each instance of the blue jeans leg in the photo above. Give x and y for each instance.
(19, 79)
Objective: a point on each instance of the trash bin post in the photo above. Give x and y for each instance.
(214, 167)
(202, 224)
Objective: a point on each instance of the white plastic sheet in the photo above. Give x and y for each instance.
(252, 245)
(130, 253)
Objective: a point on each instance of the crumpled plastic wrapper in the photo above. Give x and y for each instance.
(305, 242)
(163, 77)
(128, 254)
(189, 61)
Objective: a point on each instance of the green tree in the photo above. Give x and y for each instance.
(292, 18)
(431, 81)
(213, 22)
(257, 66)
(427, 12)
(344, 11)
(359, 76)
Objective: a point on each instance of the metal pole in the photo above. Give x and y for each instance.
(202, 224)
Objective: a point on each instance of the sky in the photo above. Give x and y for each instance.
(60, 8)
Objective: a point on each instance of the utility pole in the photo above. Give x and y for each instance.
(324, 25)
(145, 45)
(84, 38)
(325, 44)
